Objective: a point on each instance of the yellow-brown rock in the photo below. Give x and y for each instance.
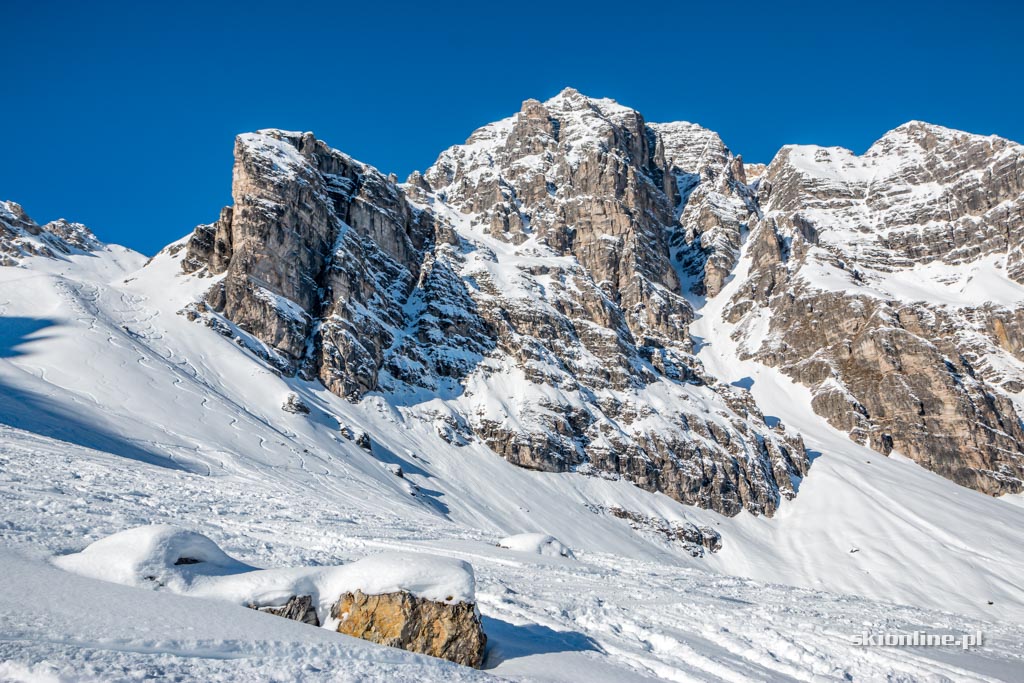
(450, 631)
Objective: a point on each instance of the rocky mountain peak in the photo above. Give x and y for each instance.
(21, 237)
(927, 136)
(534, 289)
(885, 277)
(521, 291)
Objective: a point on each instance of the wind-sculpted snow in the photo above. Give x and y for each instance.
(164, 557)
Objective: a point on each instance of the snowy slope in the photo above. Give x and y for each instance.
(120, 412)
(863, 523)
(602, 616)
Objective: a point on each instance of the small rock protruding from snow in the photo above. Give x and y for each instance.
(537, 544)
(294, 404)
(394, 469)
(696, 539)
(298, 608)
(361, 438)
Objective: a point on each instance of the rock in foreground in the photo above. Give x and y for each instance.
(421, 603)
(451, 631)
(297, 608)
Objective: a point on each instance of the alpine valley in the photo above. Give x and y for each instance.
(613, 404)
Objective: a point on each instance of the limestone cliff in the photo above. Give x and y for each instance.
(522, 291)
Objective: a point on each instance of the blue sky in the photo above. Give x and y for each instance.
(122, 115)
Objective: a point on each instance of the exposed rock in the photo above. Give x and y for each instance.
(694, 538)
(863, 287)
(209, 247)
(451, 631)
(22, 237)
(298, 608)
(715, 204)
(294, 404)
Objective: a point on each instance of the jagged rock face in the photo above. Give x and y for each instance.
(21, 237)
(695, 539)
(451, 631)
(886, 283)
(581, 206)
(319, 252)
(526, 280)
(716, 204)
(585, 179)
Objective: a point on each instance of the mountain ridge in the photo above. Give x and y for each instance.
(382, 327)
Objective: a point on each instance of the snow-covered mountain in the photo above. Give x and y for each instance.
(890, 283)
(21, 237)
(577, 323)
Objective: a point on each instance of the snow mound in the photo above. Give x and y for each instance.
(181, 561)
(153, 556)
(537, 544)
(439, 579)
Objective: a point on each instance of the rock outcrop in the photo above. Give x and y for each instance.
(295, 405)
(696, 539)
(451, 631)
(715, 205)
(22, 237)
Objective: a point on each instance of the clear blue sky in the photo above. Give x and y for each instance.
(122, 115)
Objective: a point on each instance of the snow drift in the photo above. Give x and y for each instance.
(188, 563)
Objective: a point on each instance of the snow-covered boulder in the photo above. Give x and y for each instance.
(361, 438)
(537, 544)
(155, 556)
(421, 603)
